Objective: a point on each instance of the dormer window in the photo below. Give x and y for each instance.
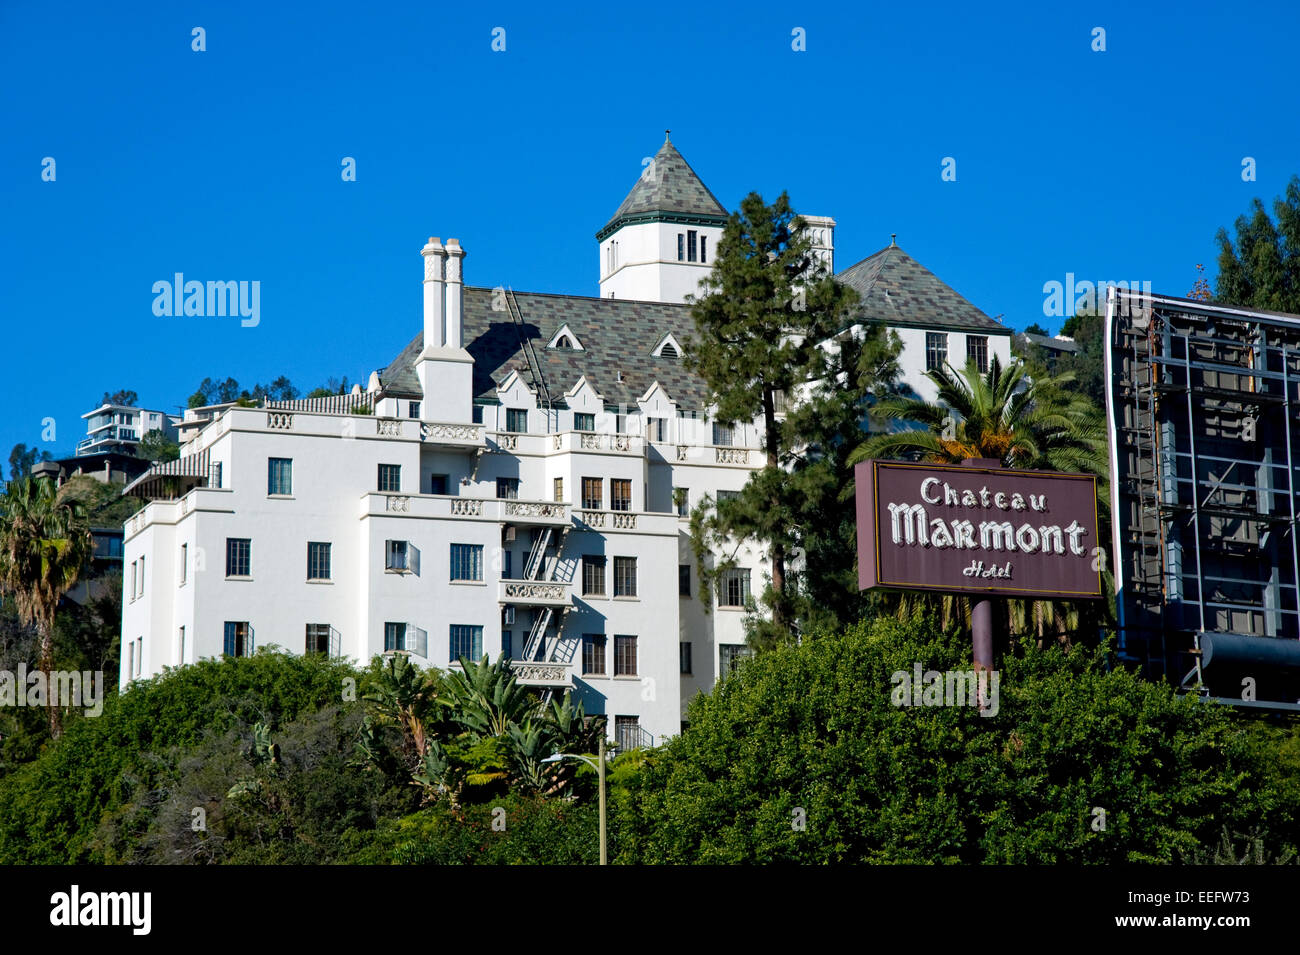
(564, 337)
(668, 347)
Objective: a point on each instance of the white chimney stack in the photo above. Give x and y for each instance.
(455, 293)
(435, 261)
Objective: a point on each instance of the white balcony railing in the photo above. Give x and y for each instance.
(542, 674)
(536, 593)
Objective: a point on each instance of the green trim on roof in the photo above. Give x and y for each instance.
(670, 217)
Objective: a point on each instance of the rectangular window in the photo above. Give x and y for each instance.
(584, 421)
(134, 581)
(691, 242)
(182, 642)
(139, 655)
(624, 576)
(977, 350)
(728, 495)
(318, 638)
(238, 639)
(508, 488)
(508, 644)
(437, 484)
(396, 556)
(729, 655)
(185, 562)
(704, 246)
(593, 576)
(684, 656)
(936, 350)
(466, 561)
(394, 636)
(624, 655)
(279, 475)
(681, 247)
(620, 422)
(318, 560)
(559, 489)
(620, 494)
(476, 414)
(683, 580)
(682, 498)
(390, 477)
(593, 654)
(466, 641)
(239, 553)
(517, 419)
(734, 589)
(723, 434)
(593, 493)
(657, 429)
(141, 593)
(413, 409)
(627, 732)
(507, 562)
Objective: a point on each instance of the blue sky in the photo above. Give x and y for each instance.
(225, 164)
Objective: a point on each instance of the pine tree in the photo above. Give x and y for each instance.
(1262, 270)
(765, 310)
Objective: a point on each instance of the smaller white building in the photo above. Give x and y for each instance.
(119, 428)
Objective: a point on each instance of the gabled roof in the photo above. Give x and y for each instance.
(668, 190)
(618, 336)
(898, 290)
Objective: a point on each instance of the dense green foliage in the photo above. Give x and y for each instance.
(1262, 268)
(813, 728)
(275, 752)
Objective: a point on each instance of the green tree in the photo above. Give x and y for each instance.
(156, 446)
(121, 397)
(1262, 268)
(44, 545)
(22, 459)
(767, 306)
(1088, 364)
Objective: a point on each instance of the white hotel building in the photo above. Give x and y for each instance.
(520, 484)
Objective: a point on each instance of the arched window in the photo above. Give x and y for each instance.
(668, 351)
(563, 342)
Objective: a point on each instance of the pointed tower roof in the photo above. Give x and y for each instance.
(667, 191)
(898, 290)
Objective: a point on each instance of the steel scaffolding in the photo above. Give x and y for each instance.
(1202, 402)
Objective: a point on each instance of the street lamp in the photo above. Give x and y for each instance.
(599, 765)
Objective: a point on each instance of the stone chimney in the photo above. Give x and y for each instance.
(435, 263)
(455, 293)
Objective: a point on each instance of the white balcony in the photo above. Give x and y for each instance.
(445, 435)
(542, 674)
(592, 442)
(536, 593)
(500, 510)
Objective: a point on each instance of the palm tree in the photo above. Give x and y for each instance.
(1027, 422)
(44, 544)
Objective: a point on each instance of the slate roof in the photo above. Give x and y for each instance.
(669, 190)
(898, 290)
(618, 335)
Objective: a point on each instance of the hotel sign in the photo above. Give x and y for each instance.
(957, 529)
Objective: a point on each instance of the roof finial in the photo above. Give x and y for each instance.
(667, 132)
(893, 238)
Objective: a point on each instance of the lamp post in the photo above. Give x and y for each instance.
(599, 765)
